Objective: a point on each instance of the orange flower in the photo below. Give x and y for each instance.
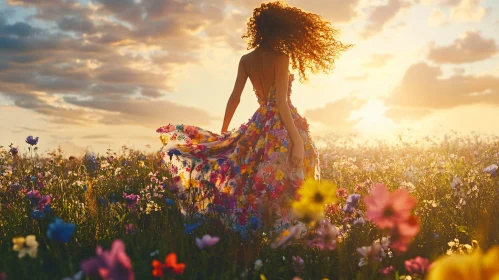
(170, 265)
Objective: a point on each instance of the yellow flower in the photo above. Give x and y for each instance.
(308, 211)
(279, 175)
(315, 192)
(262, 277)
(464, 267)
(24, 246)
(141, 163)
(283, 149)
(164, 139)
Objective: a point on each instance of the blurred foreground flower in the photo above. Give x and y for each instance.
(60, 231)
(388, 209)
(170, 267)
(24, 246)
(110, 265)
(313, 197)
(417, 265)
(466, 267)
(286, 237)
(392, 211)
(207, 241)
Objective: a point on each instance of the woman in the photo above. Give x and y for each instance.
(251, 174)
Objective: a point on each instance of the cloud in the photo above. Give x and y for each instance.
(422, 87)
(381, 15)
(336, 114)
(437, 18)
(334, 10)
(378, 60)
(71, 61)
(459, 10)
(470, 47)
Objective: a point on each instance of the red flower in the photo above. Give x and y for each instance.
(170, 266)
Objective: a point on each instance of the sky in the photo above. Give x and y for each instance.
(99, 74)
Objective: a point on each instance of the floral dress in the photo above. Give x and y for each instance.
(244, 174)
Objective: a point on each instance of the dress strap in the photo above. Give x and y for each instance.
(261, 77)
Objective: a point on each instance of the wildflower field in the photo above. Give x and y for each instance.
(421, 209)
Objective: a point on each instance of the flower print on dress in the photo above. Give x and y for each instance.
(246, 168)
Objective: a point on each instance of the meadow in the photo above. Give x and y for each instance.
(387, 211)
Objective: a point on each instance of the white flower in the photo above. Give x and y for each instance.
(258, 264)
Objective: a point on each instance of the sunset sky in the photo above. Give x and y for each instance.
(104, 73)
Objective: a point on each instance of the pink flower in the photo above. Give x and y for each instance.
(418, 265)
(192, 131)
(387, 270)
(326, 236)
(110, 265)
(166, 129)
(207, 241)
(388, 209)
(403, 233)
(341, 192)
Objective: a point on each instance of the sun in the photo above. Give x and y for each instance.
(371, 119)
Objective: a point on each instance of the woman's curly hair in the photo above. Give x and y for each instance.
(306, 38)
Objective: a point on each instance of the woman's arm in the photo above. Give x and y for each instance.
(235, 97)
(282, 80)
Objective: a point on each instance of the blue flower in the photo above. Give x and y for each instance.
(102, 200)
(33, 179)
(254, 223)
(37, 215)
(32, 140)
(91, 163)
(174, 152)
(169, 201)
(435, 235)
(84, 188)
(190, 228)
(47, 209)
(60, 231)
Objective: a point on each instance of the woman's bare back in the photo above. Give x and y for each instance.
(260, 68)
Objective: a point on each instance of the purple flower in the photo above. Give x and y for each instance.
(298, 264)
(14, 151)
(131, 200)
(60, 231)
(491, 169)
(34, 197)
(353, 199)
(31, 140)
(110, 265)
(207, 241)
(359, 222)
(326, 236)
(348, 208)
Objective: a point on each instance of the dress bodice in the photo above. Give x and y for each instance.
(272, 92)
